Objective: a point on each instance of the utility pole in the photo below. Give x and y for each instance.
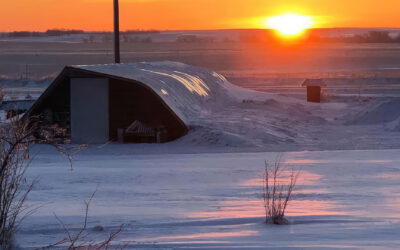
(117, 54)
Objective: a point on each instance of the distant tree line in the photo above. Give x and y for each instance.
(52, 32)
(62, 32)
(25, 34)
(140, 32)
(374, 36)
(370, 37)
(124, 38)
(56, 32)
(244, 36)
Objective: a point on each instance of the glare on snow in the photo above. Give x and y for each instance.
(193, 83)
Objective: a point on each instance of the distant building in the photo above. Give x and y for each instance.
(314, 89)
(138, 102)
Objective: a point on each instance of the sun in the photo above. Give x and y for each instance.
(289, 24)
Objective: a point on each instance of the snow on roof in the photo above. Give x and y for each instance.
(188, 90)
(314, 82)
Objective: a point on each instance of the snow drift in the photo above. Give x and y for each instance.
(393, 126)
(385, 111)
(189, 91)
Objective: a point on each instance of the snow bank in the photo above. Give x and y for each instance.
(393, 126)
(385, 111)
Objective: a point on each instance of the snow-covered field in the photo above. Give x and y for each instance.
(204, 190)
(344, 199)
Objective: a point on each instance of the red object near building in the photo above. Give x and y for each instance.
(314, 89)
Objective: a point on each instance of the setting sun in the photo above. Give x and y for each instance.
(289, 24)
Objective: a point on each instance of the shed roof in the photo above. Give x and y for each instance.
(314, 82)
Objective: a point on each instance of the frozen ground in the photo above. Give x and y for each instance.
(344, 199)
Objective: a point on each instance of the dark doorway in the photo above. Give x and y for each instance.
(131, 103)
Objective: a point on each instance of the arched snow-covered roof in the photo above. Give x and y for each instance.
(188, 90)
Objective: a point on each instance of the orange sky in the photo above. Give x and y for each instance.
(191, 14)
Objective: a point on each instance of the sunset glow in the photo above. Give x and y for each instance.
(197, 14)
(289, 24)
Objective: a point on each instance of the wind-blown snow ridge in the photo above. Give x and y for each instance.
(188, 90)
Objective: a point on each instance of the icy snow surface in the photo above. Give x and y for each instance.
(344, 199)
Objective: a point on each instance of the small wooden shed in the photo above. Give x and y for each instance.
(314, 89)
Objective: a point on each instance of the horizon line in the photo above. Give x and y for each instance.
(165, 30)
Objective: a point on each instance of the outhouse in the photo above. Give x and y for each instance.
(314, 89)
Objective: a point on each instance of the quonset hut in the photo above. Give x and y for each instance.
(138, 102)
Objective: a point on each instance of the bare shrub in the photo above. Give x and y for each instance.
(79, 240)
(70, 151)
(15, 139)
(279, 183)
(14, 188)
